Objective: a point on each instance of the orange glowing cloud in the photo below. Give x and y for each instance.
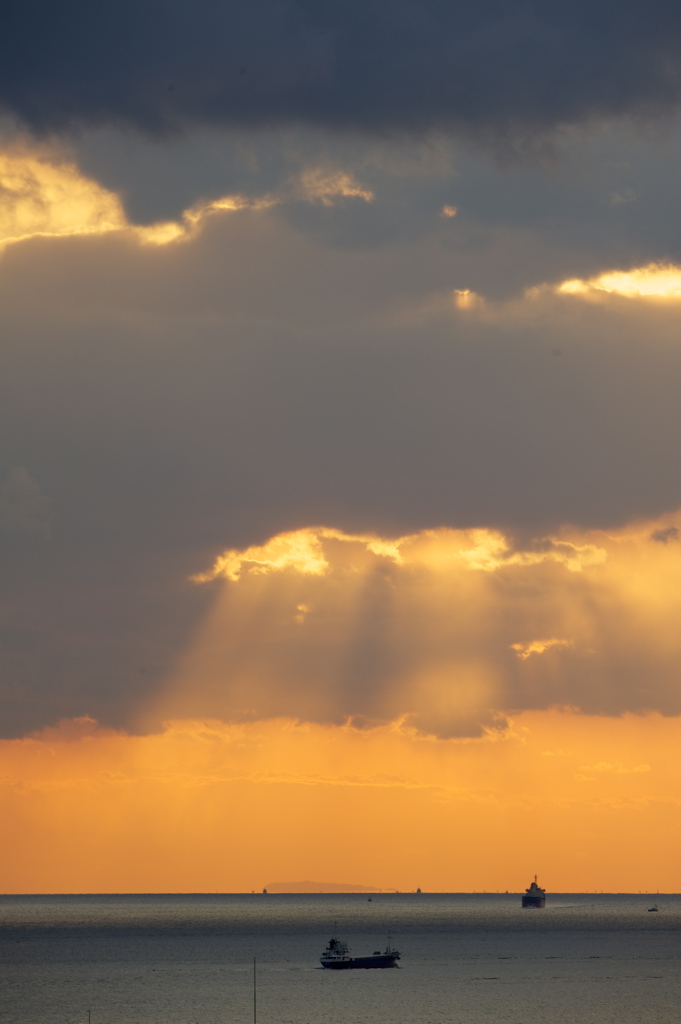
(452, 630)
(301, 550)
(538, 646)
(45, 194)
(654, 281)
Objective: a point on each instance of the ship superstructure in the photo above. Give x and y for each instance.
(338, 957)
(535, 896)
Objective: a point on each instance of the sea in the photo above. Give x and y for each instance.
(473, 958)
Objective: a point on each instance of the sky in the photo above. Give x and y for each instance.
(339, 445)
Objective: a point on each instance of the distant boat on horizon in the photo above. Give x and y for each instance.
(337, 957)
(535, 896)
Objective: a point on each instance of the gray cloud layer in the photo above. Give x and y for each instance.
(24, 509)
(484, 68)
(173, 402)
(306, 364)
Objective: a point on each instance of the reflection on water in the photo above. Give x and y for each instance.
(466, 959)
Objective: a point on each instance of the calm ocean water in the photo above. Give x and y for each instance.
(466, 959)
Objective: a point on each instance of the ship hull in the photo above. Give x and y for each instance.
(534, 901)
(361, 962)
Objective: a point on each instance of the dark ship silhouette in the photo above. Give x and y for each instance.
(535, 896)
(337, 957)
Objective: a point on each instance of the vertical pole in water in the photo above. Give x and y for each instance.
(89, 1014)
(254, 996)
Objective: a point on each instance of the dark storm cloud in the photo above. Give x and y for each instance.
(486, 67)
(572, 199)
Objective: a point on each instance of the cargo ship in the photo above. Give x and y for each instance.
(337, 957)
(535, 896)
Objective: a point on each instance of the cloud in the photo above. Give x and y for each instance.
(409, 65)
(665, 534)
(326, 184)
(24, 509)
(655, 281)
(438, 629)
(184, 403)
(302, 550)
(526, 650)
(45, 194)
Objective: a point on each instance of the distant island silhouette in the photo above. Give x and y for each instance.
(322, 887)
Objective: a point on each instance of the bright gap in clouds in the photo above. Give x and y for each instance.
(654, 281)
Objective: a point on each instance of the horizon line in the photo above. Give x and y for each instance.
(382, 892)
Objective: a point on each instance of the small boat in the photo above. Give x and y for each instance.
(535, 896)
(653, 910)
(337, 957)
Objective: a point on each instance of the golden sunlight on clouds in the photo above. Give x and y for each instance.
(192, 219)
(464, 298)
(589, 802)
(301, 550)
(325, 185)
(42, 193)
(538, 647)
(448, 630)
(305, 551)
(655, 281)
